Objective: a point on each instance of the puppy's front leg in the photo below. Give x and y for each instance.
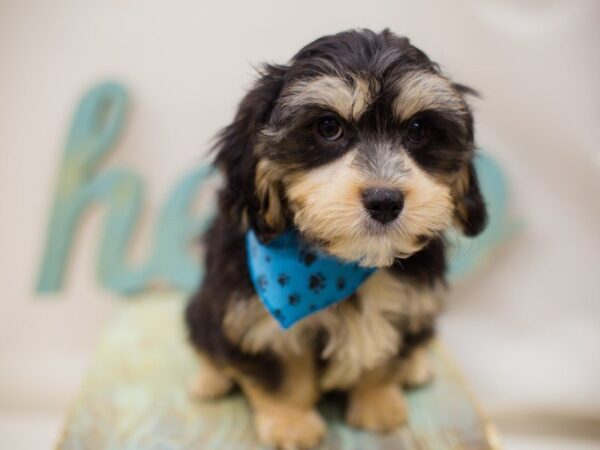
(286, 418)
(416, 368)
(211, 382)
(376, 402)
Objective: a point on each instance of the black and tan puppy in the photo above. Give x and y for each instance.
(365, 148)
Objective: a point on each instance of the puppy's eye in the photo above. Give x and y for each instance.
(418, 132)
(329, 128)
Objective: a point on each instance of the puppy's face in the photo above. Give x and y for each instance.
(364, 147)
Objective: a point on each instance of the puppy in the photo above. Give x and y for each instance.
(364, 148)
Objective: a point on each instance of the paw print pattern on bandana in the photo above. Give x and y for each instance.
(294, 299)
(294, 280)
(283, 279)
(262, 282)
(316, 282)
(307, 257)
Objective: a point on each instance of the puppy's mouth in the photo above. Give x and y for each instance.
(371, 244)
(373, 227)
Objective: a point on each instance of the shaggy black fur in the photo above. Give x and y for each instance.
(426, 267)
(226, 274)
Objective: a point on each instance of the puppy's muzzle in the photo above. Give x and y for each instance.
(383, 204)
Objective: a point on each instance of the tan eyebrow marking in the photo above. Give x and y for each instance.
(421, 91)
(348, 100)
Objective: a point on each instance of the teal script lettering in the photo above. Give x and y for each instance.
(81, 183)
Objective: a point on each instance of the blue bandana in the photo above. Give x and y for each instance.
(294, 280)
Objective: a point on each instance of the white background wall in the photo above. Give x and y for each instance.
(525, 330)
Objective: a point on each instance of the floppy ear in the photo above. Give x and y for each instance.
(470, 211)
(246, 201)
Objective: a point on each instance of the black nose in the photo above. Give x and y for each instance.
(383, 205)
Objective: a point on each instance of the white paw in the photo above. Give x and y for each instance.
(290, 429)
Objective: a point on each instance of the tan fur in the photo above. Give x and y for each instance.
(327, 205)
(287, 417)
(363, 338)
(460, 186)
(421, 91)
(267, 190)
(348, 100)
(363, 93)
(210, 382)
(249, 325)
(360, 336)
(376, 402)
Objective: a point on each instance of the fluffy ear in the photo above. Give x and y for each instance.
(470, 211)
(251, 199)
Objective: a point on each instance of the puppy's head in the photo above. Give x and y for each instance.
(360, 143)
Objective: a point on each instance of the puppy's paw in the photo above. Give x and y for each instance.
(210, 384)
(378, 409)
(417, 370)
(292, 429)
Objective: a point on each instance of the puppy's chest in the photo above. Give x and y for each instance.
(364, 332)
(352, 336)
